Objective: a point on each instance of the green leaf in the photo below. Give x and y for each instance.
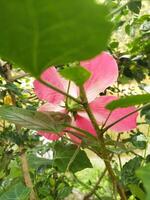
(38, 34)
(76, 74)
(47, 121)
(135, 6)
(63, 155)
(16, 192)
(129, 101)
(137, 191)
(37, 162)
(144, 174)
(128, 175)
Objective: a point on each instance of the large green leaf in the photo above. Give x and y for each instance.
(35, 34)
(129, 101)
(47, 121)
(144, 174)
(76, 74)
(64, 154)
(16, 192)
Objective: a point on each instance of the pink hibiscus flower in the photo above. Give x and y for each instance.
(104, 72)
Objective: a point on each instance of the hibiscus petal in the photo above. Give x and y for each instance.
(49, 135)
(85, 124)
(104, 72)
(101, 114)
(51, 107)
(43, 92)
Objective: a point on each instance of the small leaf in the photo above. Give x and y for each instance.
(41, 33)
(129, 101)
(46, 121)
(63, 155)
(144, 174)
(76, 74)
(16, 192)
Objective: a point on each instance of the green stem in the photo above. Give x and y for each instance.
(58, 90)
(94, 189)
(104, 154)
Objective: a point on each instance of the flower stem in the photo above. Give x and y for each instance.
(58, 90)
(104, 154)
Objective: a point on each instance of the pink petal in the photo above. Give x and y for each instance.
(51, 107)
(104, 71)
(101, 114)
(44, 93)
(49, 135)
(85, 124)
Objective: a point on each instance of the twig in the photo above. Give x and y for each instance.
(124, 117)
(92, 192)
(58, 90)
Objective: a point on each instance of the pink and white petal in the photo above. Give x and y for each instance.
(51, 107)
(73, 89)
(101, 114)
(43, 92)
(49, 135)
(104, 70)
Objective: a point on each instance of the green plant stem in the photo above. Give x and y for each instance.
(58, 90)
(104, 154)
(124, 117)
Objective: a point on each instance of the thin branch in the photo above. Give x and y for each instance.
(124, 117)
(95, 188)
(73, 157)
(59, 91)
(26, 174)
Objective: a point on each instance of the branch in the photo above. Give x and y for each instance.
(124, 117)
(59, 91)
(87, 197)
(26, 174)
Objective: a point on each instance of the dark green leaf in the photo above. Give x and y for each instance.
(129, 101)
(146, 113)
(135, 6)
(47, 121)
(76, 74)
(128, 171)
(63, 155)
(139, 140)
(144, 174)
(16, 192)
(38, 34)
